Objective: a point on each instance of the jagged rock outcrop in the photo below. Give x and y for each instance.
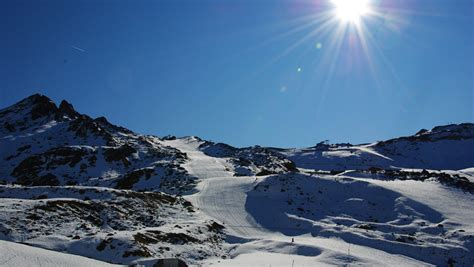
(254, 160)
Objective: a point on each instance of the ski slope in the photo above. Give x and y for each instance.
(221, 195)
(225, 198)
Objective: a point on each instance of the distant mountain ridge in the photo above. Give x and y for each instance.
(39, 139)
(449, 147)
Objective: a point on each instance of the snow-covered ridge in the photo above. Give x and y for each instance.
(449, 147)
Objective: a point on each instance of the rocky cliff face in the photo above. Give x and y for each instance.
(249, 161)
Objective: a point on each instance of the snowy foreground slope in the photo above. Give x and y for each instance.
(14, 254)
(77, 185)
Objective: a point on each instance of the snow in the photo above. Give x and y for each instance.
(453, 204)
(14, 254)
(221, 195)
(469, 172)
(310, 251)
(443, 148)
(260, 224)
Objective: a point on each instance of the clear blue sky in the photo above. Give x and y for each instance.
(245, 72)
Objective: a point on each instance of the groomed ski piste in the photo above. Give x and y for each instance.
(225, 198)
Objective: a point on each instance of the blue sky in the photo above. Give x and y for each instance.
(246, 72)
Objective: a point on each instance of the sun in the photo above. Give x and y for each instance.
(351, 11)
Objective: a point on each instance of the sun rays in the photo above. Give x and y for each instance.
(337, 39)
(351, 11)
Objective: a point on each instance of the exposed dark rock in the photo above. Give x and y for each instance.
(137, 253)
(169, 137)
(103, 244)
(405, 239)
(133, 177)
(366, 226)
(104, 123)
(27, 172)
(374, 169)
(422, 131)
(158, 236)
(264, 172)
(10, 127)
(84, 126)
(120, 153)
(170, 262)
(215, 227)
(23, 148)
(65, 108)
(42, 106)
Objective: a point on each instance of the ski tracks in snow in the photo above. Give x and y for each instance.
(221, 195)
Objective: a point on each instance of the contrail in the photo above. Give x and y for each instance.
(78, 48)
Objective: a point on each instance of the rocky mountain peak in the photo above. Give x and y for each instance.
(38, 106)
(35, 99)
(41, 106)
(66, 108)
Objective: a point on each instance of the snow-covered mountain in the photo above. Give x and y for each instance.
(43, 144)
(84, 186)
